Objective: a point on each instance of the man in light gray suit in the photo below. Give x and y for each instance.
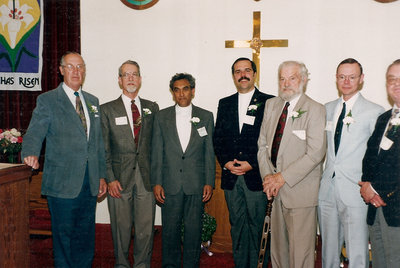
(341, 210)
(127, 129)
(182, 171)
(291, 148)
(74, 167)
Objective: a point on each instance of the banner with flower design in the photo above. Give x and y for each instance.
(21, 42)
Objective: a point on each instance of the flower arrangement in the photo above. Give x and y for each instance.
(10, 143)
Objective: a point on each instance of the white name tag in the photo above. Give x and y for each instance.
(202, 131)
(248, 119)
(385, 143)
(301, 134)
(123, 120)
(329, 126)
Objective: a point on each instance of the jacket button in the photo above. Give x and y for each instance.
(240, 153)
(180, 170)
(134, 168)
(183, 157)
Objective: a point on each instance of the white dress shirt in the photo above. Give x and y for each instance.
(183, 124)
(244, 102)
(127, 103)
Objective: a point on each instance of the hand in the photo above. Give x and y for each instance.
(207, 192)
(115, 188)
(32, 161)
(272, 184)
(158, 191)
(370, 196)
(102, 188)
(238, 167)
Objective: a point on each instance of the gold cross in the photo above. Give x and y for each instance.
(256, 43)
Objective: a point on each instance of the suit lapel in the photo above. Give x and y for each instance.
(171, 121)
(70, 114)
(193, 129)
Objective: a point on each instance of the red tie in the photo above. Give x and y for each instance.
(137, 121)
(278, 134)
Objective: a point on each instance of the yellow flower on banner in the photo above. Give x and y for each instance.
(17, 18)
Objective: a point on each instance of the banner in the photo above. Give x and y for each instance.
(21, 44)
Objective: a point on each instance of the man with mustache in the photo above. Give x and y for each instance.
(291, 148)
(127, 130)
(235, 142)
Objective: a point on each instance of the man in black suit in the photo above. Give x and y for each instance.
(235, 143)
(380, 186)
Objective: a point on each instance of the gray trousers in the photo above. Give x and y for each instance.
(136, 208)
(385, 243)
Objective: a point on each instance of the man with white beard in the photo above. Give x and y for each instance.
(291, 147)
(127, 131)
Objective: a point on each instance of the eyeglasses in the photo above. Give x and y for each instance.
(391, 80)
(134, 75)
(70, 67)
(351, 78)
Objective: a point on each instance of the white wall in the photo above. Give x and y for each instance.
(189, 36)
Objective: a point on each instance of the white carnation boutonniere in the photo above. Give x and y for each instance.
(252, 108)
(395, 122)
(146, 111)
(93, 109)
(348, 120)
(195, 120)
(297, 114)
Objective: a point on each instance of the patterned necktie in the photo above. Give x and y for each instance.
(137, 121)
(339, 127)
(389, 133)
(79, 110)
(278, 134)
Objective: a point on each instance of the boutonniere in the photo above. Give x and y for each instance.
(92, 108)
(348, 120)
(395, 122)
(297, 114)
(146, 111)
(253, 108)
(195, 120)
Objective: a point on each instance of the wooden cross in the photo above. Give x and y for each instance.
(256, 43)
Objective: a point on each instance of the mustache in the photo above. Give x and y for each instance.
(244, 77)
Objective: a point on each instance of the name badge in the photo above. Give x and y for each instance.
(123, 120)
(202, 131)
(385, 143)
(329, 126)
(249, 120)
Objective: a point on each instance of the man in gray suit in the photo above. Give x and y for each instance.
(68, 118)
(341, 210)
(182, 171)
(127, 129)
(291, 148)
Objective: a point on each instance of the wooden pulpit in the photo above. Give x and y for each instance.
(221, 240)
(14, 218)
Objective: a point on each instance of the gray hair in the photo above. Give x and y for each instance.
(131, 62)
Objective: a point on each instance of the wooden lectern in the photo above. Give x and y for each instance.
(14, 218)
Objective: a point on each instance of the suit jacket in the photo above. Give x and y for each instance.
(68, 151)
(347, 164)
(174, 169)
(229, 144)
(382, 169)
(301, 151)
(121, 151)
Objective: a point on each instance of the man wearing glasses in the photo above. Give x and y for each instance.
(69, 120)
(127, 130)
(341, 210)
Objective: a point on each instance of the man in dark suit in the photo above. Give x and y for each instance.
(182, 171)
(127, 129)
(235, 142)
(68, 118)
(380, 186)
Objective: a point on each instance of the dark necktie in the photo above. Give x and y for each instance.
(389, 133)
(339, 127)
(79, 110)
(137, 121)
(278, 134)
